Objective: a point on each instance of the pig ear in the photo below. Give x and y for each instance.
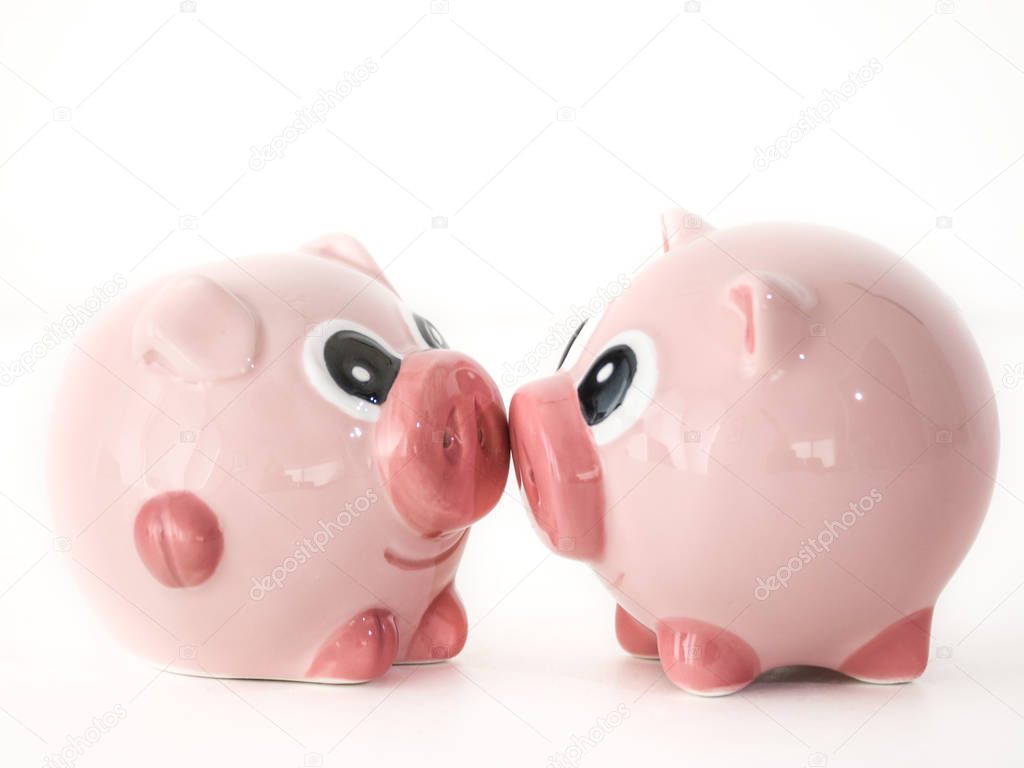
(350, 251)
(679, 226)
(196, 330)
(773, 317)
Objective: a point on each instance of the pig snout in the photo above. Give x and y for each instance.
(557, 466)
(442, 442)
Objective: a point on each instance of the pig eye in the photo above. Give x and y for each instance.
(604, 387)
(617, 387)
(359, 366)
(350, 367)
(429, 333)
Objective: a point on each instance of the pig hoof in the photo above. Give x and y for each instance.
(442, 630)
(897, 654)
(704, 659)
(633, 636)
(360, 650)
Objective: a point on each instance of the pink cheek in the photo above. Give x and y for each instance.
(179, 539)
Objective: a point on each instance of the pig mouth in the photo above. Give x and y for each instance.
(418, 564)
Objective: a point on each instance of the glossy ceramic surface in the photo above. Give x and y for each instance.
(800, 454)
(268, 469)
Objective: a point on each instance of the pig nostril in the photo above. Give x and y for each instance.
(480, 436)
(446, 441)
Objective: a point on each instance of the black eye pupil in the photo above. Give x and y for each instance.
(604, 387)
(359, 366)
(430, 333)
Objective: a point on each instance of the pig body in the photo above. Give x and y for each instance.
(267, 468)
(786, 463)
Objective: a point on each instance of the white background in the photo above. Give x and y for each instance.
(120, 118)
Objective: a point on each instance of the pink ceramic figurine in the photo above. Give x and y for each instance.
(775, 448)
(267, 468)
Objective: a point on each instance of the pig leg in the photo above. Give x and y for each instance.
(359, 650)
(897, 654)
(633, 636)
(442, 630)
(704, 659)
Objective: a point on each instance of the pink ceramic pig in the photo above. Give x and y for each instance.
(775, 448)
(268, 468)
